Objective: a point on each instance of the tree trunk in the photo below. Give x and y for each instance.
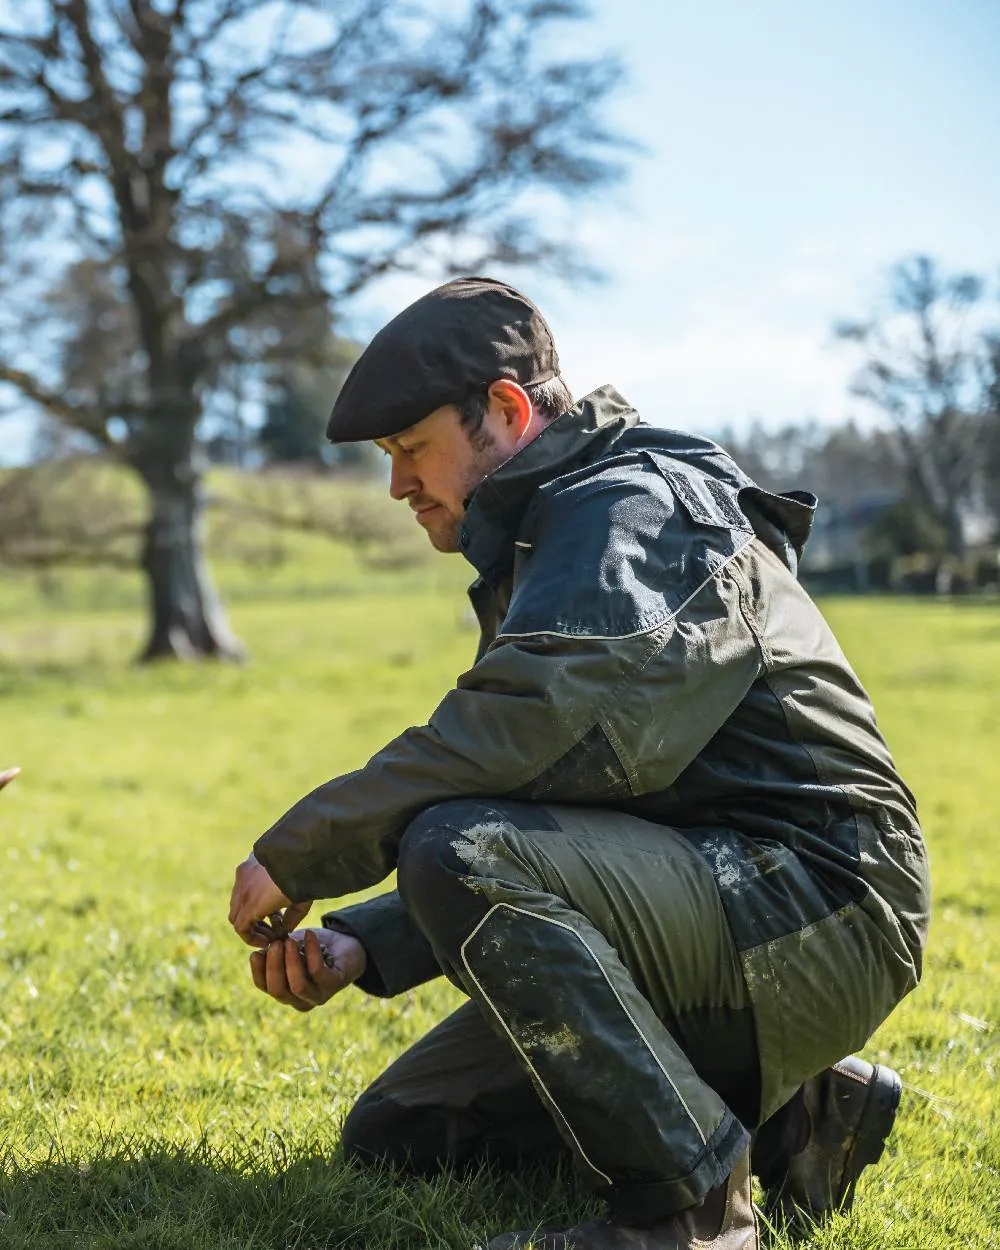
(187, 617)
(955, 530)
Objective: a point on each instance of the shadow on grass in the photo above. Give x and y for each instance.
(131, 1193)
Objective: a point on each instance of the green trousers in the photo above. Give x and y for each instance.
(614, 1011)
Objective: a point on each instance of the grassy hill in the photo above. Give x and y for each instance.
(70, 536)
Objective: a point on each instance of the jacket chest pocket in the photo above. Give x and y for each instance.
(705, 500)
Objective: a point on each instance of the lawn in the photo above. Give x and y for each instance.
(149, 1097)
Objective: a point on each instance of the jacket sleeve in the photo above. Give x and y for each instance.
(624, 643)
(399, 956)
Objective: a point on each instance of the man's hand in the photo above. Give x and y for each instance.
(7, 774)
(256, 899)
(308, 967)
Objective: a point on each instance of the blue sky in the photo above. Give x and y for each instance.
(794, 150)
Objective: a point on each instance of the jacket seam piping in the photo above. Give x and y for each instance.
(752, 621)
(637, 633)
(618, 746)
(755, 627)
(538, 767)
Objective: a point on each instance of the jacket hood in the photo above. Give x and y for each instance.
(587, 432)
(603, 425)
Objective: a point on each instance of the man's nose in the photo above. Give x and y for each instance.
(402, 481)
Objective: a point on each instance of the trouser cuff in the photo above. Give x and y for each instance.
(642, 1203)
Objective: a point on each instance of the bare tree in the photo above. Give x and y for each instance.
(923, 368)
(204, 170)
(991, 426)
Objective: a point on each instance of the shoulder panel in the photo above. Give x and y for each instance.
(618, 549)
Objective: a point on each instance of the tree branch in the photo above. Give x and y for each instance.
(108, 121)
(87, 420)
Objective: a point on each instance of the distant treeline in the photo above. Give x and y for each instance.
(874, 530)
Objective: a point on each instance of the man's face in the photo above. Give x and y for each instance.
(436, 464)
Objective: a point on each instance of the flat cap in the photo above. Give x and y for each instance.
(461, 336)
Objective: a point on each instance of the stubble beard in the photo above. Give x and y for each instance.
(444, 532)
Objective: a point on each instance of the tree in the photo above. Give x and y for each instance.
(205, 172)
(780, 458)
(923, 368)
(991, 426)
(298, 403)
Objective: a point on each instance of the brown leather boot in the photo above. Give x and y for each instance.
(847, 1112)
(724, 1221)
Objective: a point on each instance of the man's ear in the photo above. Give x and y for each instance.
(514, 406)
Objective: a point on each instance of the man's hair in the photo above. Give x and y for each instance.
(549, 399)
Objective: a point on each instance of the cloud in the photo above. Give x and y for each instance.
(705, 342)
(722, 370)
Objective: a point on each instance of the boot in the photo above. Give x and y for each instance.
(847, 1112)
(725, 1220)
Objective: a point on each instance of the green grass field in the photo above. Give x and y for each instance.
(149, 1097)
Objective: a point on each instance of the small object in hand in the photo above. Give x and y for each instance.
(7, 774)
(328, 957)
(272, 930)
(262, 930)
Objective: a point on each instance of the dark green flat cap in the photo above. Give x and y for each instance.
(461, 336)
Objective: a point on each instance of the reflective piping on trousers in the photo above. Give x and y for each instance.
(621, 1002)
(517, 1046)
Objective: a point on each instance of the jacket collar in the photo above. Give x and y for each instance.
(495, 508)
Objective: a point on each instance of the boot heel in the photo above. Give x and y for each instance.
(877, 1119)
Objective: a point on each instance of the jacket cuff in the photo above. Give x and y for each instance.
(399, 956)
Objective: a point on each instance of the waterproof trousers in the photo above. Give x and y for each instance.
(611, 1013)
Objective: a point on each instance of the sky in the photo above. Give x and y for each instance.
(793, 150)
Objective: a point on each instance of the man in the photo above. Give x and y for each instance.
(653, 833)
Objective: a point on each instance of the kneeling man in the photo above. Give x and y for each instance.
(653, 833)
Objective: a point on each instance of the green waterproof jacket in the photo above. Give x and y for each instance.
(645, 646)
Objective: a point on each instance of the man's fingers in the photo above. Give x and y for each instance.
(234, 898)
(315, 959)
(256, 895)
(260, 934)
(294, 971)
(328, 976)
(294, 914)
(299, 980)
(258, 969)
(277, 980)
(274, 963)
(236, 894)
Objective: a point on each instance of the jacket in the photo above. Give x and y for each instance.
(645, 645)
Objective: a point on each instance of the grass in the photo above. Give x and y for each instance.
(149, 1097)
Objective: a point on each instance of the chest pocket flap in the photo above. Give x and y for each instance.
(706, 500)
